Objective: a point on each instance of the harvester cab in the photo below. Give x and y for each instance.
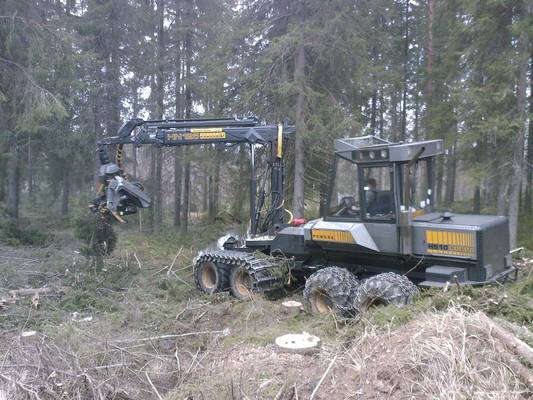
(382, 187)
(382, 216)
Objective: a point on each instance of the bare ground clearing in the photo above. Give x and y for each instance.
(139, 330)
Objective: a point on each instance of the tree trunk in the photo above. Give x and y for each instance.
(429, 70)
(518, 151)
(178, 170)
(210, 190)
(65, 191)
(299, 146)
(3, 172)
(135, 108)
(439, 181)
(476, 209)
(373, 111)
(529, 188)
(160, 96)
(215, 188)
(113, 85)
(393, 135)
(178, 114)
(451, 165)
(502, 195)
(30, 171)
(13, 177)
(403, 136)
(186, 195)
(205, 193)
(158, 192)
(240, 193)
(188, 112)
(96, 131)
(416, 128)
(381, 113)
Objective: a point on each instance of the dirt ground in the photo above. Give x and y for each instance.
(139, 329)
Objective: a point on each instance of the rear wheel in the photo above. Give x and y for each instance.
(383, 289)
(210, 277)
(331, 289)
(240, 283)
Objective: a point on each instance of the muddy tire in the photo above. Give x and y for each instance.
(331, 289)
(211, 277)
(383, 289)
(240, 284)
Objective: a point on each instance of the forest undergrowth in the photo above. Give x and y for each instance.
(137, 328)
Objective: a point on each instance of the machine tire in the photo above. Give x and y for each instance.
(386, 288)
(240, 283)
(331, 289)
(211, 277)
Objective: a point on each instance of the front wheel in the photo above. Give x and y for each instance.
(331, 289)
(383, 289)
(210, 277)
(240, 283)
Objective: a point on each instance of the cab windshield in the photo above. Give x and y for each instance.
(344, 197)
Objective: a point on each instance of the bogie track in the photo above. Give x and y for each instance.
(265, 272)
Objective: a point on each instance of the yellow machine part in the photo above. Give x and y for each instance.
(198, 134)
(329, 235)
(451, 243)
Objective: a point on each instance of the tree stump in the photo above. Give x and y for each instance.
(301, 343)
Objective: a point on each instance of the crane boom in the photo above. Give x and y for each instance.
(118, 196)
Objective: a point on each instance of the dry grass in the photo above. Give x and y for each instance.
(446, 355)
(94, 359)
(431, 350)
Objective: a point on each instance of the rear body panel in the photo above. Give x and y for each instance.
(474, 248)
(483, 239)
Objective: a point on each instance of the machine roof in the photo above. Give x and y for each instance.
(366, 149)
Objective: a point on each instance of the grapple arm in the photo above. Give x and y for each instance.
(118, 196)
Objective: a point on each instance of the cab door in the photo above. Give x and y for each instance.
(378, 205)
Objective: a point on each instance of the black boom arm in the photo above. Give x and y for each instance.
(120, 197)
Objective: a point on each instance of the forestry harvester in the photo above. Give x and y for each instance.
(381, 235)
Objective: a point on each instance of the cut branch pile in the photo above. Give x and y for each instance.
(450, 355)
(37, 367)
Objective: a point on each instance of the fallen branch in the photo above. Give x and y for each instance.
(280, 392)
(29, 292)
(518, 249)
(21, 385)
(511, 341)
(174, 260)
(516, 366)
(153, 386)
(315, 390)
(137, 259)
(172, 336)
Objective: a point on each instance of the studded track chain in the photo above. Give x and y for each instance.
(266, 272)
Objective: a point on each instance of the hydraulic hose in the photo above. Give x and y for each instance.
(102, 155)
(119, 155)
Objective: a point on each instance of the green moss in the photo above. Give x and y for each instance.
(88, 301)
